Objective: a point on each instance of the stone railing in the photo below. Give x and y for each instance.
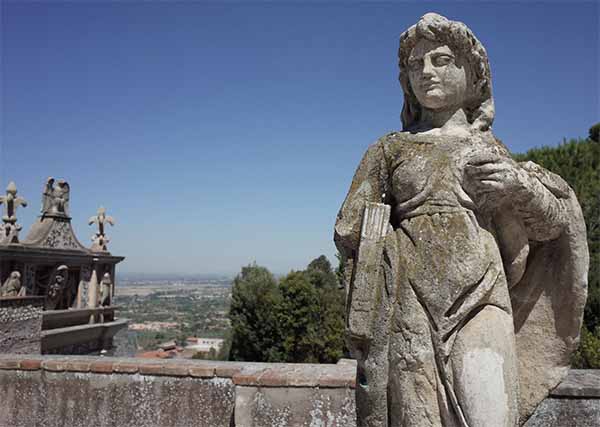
(81, 391)
(574, 403)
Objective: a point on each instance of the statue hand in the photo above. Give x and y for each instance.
(497, 177)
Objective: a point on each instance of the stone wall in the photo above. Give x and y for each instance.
(81, 391)
(21, 324)
(574, 403)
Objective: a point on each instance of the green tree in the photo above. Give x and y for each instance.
(587, 355)
(300, 319)
(253, 314)
(321, 275)
(332, 308)
(595, 133)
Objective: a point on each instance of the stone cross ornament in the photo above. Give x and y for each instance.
(100, 240)
(9, 230)
(465, 271)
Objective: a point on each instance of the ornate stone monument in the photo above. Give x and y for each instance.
(51, 265)
(465, 270)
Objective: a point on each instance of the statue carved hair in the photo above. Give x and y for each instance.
(480, 104)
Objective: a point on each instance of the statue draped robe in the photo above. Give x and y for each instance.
(538, 244)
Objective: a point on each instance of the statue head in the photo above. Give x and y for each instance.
(436, 43)
(61, 275)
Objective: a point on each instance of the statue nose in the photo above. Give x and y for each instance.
(428, 68)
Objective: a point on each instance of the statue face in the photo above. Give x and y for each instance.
(437, 79)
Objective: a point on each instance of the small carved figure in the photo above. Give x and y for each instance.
(100, 239)
(9, 230)
(12, 286)
(55, 199)
(56, 288)
(465, 270)
(105, 290)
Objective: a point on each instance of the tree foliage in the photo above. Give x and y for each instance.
(595, 133)
(299, 319)
(578, 162)
(254, 324)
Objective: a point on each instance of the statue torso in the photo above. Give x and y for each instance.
(451, 261)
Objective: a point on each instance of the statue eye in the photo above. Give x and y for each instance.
(441, 60)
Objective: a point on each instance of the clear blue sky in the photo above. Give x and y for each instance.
(222, 133)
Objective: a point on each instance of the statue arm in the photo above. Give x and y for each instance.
(543, 205)
(368, 185)
(539, 198)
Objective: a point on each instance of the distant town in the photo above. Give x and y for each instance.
(183, 317)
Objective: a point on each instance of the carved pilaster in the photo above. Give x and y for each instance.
(29, 278)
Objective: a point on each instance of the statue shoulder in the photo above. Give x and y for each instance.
(385, 146)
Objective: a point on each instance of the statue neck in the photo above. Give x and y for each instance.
(444, 119)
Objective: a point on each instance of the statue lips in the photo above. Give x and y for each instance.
(430, 84)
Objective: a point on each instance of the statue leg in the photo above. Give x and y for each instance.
(484, 368)
(416, 392)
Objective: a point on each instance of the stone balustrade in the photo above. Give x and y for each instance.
(80, 391)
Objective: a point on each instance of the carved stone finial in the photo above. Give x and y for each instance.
(9, 230)
(55, 199)
(100, 239)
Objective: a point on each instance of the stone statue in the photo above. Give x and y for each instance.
(12, 286)
(100, 239)
(55, 199)
(465, 270)
(105, 290)
(56, 288)
(9, 230)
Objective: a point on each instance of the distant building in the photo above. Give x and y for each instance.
(153, 326)
(204, 345)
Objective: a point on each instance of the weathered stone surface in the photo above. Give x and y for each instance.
(466, 307)
(78, 391)
(56, 399)
(579, 383)
(294, 407)
(21, 325)
(554, 412)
